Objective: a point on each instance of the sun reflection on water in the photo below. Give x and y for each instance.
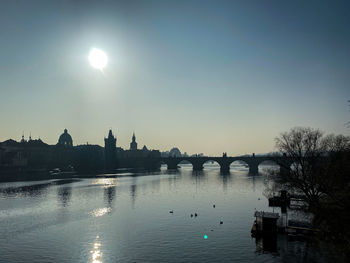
(106, 182)
(96, 254)
(101, 211)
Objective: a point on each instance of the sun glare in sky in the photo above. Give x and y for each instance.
(98, 59)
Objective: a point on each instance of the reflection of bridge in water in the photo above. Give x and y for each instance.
(253, 162)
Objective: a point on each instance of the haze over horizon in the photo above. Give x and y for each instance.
(206, 77)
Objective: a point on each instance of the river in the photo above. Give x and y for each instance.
(141, 217)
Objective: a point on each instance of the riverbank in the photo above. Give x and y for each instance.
(37, 175)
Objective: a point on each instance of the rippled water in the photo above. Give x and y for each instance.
(128, 219)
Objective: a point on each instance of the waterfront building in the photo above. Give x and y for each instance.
(65, 139)
(110, 151)
(133, 144)
(33, 154)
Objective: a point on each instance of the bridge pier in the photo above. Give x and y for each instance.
(197, 166)
(253, 168)
(225, 168)
(172, 166)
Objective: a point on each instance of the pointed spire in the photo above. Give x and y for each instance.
(23, 140)
(133, 144)
(110, 134)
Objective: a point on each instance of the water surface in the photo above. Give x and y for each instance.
(128, 219)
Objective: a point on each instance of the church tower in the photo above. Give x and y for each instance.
(110, 151)
(133, 144)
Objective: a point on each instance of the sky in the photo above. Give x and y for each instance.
(204, 76)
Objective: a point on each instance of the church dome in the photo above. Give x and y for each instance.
(175, 152)
(65, 139)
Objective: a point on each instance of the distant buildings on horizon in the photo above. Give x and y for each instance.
(65, 139)
(35, 154)
(175, 152)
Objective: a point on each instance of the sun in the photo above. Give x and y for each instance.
(98, 59)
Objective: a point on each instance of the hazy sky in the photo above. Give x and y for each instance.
(205, 76)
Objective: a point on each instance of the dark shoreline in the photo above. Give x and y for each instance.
(28, 176)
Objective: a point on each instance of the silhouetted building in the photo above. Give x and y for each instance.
(31, 153)
(90, 158)
(110, 151)
(133, 144)
(27, 156)
(175, 152)
(137, 158)
(65, 139)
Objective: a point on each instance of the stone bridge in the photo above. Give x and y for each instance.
(224, 162)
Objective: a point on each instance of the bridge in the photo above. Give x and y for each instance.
(252, 161)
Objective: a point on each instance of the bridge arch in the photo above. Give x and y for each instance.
(185, 164)
(268, 166)
(163, 165)
(211, 164)
(174, 163)
(239, 167)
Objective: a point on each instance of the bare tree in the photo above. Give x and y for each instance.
(309, 162)
(317, 167)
